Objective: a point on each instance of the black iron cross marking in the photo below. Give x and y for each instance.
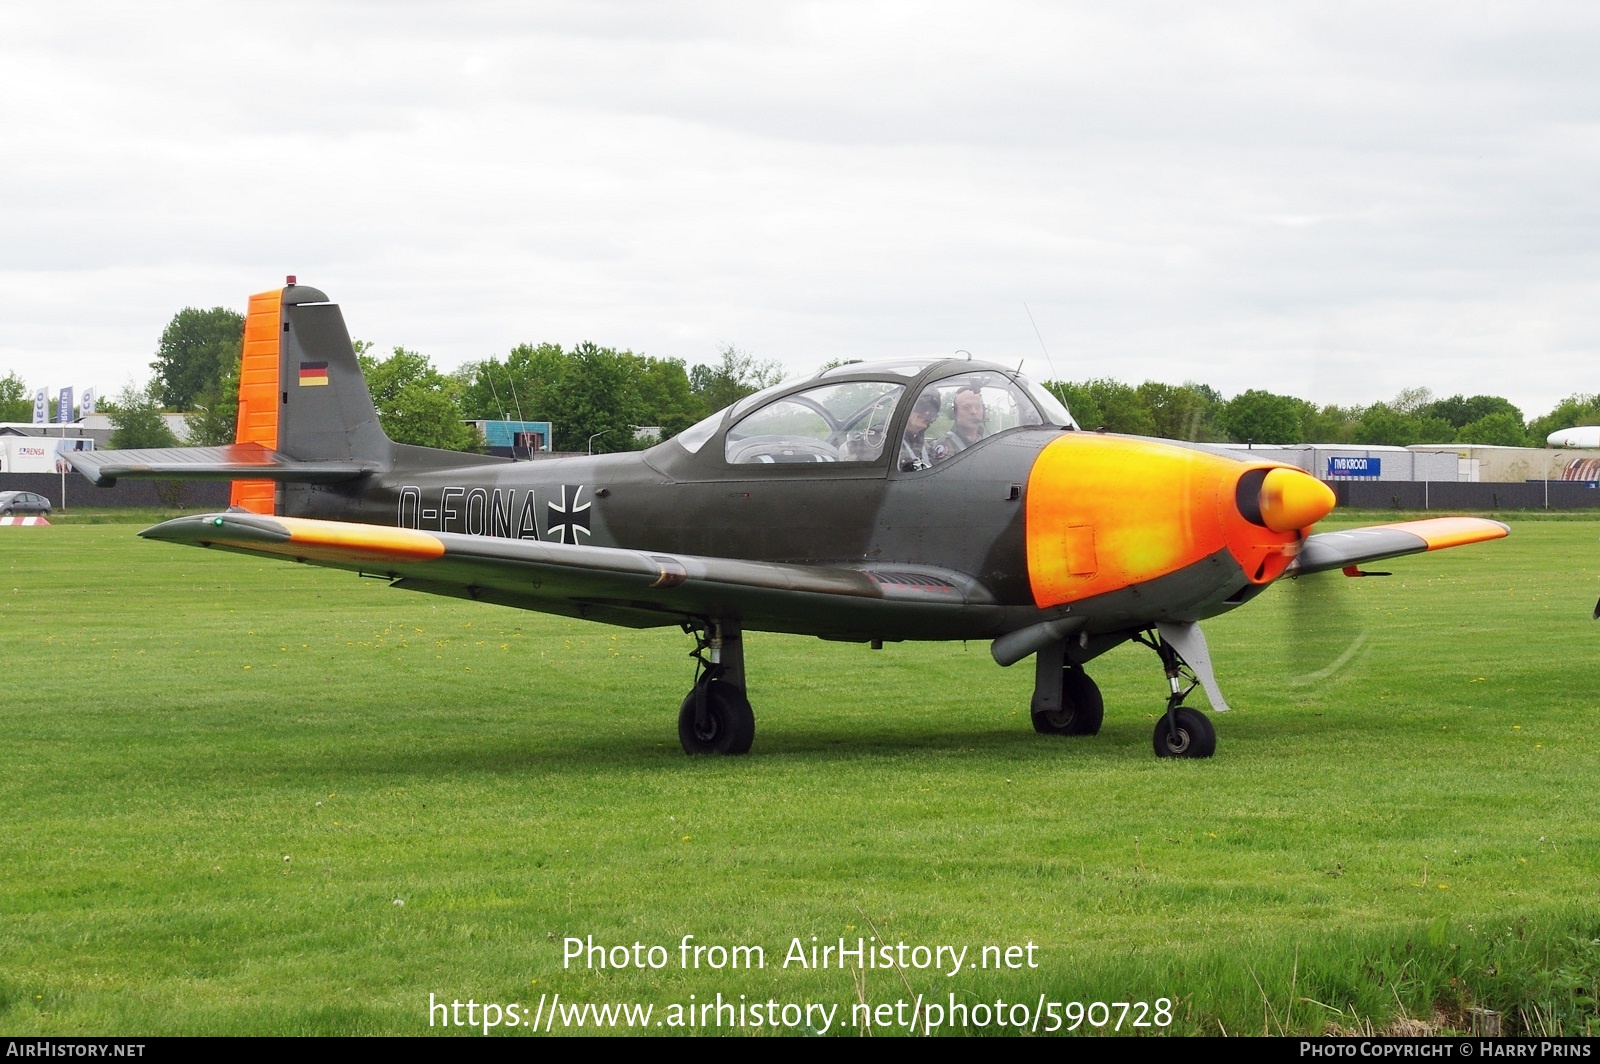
(568, 516)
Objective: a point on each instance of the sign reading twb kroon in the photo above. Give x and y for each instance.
(1355, 467)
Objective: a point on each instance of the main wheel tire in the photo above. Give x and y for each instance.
(1082, 708)
(1191, 736)
(730, 722)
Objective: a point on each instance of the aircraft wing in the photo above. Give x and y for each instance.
(249, 461)
(1352, 546)
(635, 588)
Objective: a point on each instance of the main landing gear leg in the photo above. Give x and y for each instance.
(716, 717)
(1181, 731)
(1065, 700)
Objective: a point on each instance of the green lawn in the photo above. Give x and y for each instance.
(248, 797)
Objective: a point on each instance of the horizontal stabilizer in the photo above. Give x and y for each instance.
(233, 461)
(1352, 546)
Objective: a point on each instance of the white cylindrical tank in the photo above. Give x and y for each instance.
(1582, 436)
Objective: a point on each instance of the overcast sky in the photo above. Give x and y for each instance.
(1332, 200)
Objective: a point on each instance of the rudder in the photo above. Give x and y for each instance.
(258, 396)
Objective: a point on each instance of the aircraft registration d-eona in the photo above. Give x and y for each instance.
(873, 502)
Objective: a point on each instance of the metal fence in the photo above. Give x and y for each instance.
(1453, 495)
(81, 495)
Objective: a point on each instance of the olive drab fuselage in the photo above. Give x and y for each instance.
(1048, 520)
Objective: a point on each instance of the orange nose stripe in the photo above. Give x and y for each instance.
(1291, 499)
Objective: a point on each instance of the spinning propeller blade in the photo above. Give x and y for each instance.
(1325, 631)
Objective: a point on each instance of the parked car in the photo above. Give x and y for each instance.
(23, 502)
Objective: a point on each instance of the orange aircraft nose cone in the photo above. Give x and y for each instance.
(1291, 499)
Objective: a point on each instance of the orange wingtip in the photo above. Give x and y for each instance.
(335, 540)
(1441, 532)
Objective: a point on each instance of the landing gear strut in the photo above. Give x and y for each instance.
(1181, 731)
(716, 717)
(1065, 700)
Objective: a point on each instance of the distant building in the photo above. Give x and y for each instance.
(1488, 464)
(71, 430)
(1434, 463)
(1337, 462)
(177, 424)
(515, 439)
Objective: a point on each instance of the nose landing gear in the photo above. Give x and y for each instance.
(1181, 731)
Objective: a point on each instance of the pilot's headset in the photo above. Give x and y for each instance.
(973, 386)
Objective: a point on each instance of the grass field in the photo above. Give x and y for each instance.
(245, 797)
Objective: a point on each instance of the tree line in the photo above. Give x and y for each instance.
(1192, 411)
(589, 392)
(586, 392)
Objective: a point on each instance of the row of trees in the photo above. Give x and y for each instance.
(1193, 411)
(592, 392)
(586, 392)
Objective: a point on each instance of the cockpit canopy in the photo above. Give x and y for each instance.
(928, 411)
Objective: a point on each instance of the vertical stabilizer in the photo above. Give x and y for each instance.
(325, 412)
(301, 391)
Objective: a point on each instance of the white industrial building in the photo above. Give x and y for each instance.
(1335, 462)
(1465, 463)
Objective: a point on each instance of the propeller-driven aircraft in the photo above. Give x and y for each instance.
(874, 502)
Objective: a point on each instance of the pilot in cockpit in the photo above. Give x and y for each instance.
(968, 428)
(914, 445)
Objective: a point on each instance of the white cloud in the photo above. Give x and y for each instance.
(1240, 194)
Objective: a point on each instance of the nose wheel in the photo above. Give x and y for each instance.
(1185, 732)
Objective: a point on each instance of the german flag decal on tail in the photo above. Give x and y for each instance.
(313, 373)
